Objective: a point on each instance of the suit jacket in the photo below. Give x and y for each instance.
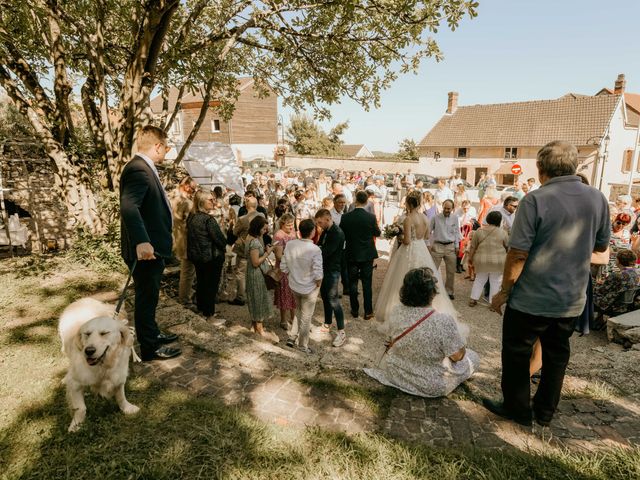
(360, 227)
(332, 245)
(144, 213)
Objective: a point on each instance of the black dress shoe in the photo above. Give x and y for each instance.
(451, 296)
(236, 301)
(163, 353)
(354, 314)
(499, 409)
(167, 338)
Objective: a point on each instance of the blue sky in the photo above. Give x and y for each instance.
(514, 50)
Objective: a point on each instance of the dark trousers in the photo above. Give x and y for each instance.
(362, 271)
(344, 274)
(331, 300)
(146, 278)
(519, 333)
(208, 281)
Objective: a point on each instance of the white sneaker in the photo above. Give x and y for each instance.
(341, 337)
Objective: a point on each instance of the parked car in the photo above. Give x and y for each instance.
(315, 172)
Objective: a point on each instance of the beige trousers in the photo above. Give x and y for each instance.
(448, 253)
(185, 287)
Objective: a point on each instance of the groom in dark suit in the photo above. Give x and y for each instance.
(146, 237)
(360, 229)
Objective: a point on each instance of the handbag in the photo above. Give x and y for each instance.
(272, 276)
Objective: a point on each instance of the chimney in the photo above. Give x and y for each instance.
(452, 103)
(620, 84)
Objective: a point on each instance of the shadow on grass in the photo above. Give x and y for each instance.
(177, 435)
(75, 288)
(41, 332)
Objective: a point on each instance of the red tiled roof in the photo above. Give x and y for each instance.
(573, 118)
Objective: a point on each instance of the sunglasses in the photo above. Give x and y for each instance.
(618, 222)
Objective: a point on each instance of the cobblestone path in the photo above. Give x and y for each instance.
(284, 386)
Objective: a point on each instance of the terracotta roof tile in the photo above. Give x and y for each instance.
(572, 118)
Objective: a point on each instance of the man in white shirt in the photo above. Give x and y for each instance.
(339, 208)
(409, 179)
(442, 193)
(533, 185)
(338, 189)
(457, 180)
(466, 213)
(302, 261)
(445, 236)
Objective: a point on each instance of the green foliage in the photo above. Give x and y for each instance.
(17, 137)
(308, 138)
(408, 150)
(100, 251)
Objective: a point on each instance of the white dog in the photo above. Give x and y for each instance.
(98, 347)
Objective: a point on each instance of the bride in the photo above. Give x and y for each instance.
(411, 253)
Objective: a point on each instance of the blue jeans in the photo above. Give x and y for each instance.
(331, 300)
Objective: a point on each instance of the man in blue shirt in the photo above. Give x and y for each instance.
(544, 284)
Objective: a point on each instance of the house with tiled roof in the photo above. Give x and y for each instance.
(252, 131)
(355, 151)
(501, 139)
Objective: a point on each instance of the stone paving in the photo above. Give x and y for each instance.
(264, 378)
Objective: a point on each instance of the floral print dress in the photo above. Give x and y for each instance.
(283, 297)
(258, 300)
(419, 363)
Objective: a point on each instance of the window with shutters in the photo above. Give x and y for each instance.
(627, 161)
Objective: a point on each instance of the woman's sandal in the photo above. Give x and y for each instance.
(473, 303)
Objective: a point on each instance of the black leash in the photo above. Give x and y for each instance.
(124, 290)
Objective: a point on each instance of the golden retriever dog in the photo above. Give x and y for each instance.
(98, 347)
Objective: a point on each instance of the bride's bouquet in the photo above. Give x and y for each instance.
(392, 231)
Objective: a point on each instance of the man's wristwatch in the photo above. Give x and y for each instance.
(506, 293)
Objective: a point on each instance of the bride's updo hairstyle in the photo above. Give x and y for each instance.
(419, 287)
(413, 199)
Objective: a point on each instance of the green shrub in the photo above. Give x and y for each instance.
(101, 252)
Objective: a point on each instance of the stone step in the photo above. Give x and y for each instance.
(625, 328)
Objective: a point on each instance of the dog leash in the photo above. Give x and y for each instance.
(123, 295)
(124, 290)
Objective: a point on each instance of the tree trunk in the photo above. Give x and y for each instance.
(78, 196)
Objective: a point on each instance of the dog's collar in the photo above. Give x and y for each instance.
(101, 358)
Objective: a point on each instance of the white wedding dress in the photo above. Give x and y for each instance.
(405, 258)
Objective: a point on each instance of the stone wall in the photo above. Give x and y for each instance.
(353, 164)
(30, 185)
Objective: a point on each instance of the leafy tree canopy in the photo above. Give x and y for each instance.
(117, 52)
(307, 137)
(408, 149)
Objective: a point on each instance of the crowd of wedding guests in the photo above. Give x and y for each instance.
(216, 228)
(306, 236)
(552, 255)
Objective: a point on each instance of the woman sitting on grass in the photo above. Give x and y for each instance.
(426, 354)
(609, 294)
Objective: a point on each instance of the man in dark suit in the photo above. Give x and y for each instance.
(146, 237)
(360, 229)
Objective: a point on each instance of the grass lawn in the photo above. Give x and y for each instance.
(177, 435)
